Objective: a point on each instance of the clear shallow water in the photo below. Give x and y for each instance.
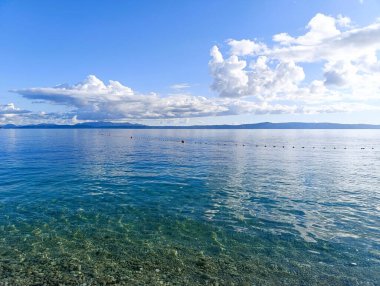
(95, 207)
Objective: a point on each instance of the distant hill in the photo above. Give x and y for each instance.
(85, 125)
(263, 125)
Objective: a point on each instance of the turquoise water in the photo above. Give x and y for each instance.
(97, 207)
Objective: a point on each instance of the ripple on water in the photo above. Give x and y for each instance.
(81, 208)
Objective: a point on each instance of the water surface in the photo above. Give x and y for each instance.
(227, 207)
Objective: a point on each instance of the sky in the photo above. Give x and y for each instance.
(189, 62)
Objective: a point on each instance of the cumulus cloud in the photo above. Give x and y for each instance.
(234, 77)
(92, 99)
(245, 47)
(10, 114)
(346, 57)
(10, 109)
(320, 28)
(250, 77)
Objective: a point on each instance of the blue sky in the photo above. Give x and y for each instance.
(163, 47)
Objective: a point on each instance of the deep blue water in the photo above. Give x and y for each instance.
(227, 207)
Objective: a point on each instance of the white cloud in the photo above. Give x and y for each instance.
(343, 21)
(94, 100)
(10, 109)
(245, 47)
(230, 77)
(345, 56)
(339, 73)
(82, 94)
(352, 44)
(10, 114)
(321, 28)
(252, 78)
(180, 86)
(233, 77)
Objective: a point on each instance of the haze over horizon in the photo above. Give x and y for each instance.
(190, 63)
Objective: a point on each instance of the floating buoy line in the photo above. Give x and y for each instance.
(236, 144)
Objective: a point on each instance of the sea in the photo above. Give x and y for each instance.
(189, 207)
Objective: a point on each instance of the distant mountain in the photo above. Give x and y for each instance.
(263, 125)
(303, 125)
(85, 125)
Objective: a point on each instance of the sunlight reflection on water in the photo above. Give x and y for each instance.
(105, 199)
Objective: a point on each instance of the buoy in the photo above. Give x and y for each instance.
(182, 141)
